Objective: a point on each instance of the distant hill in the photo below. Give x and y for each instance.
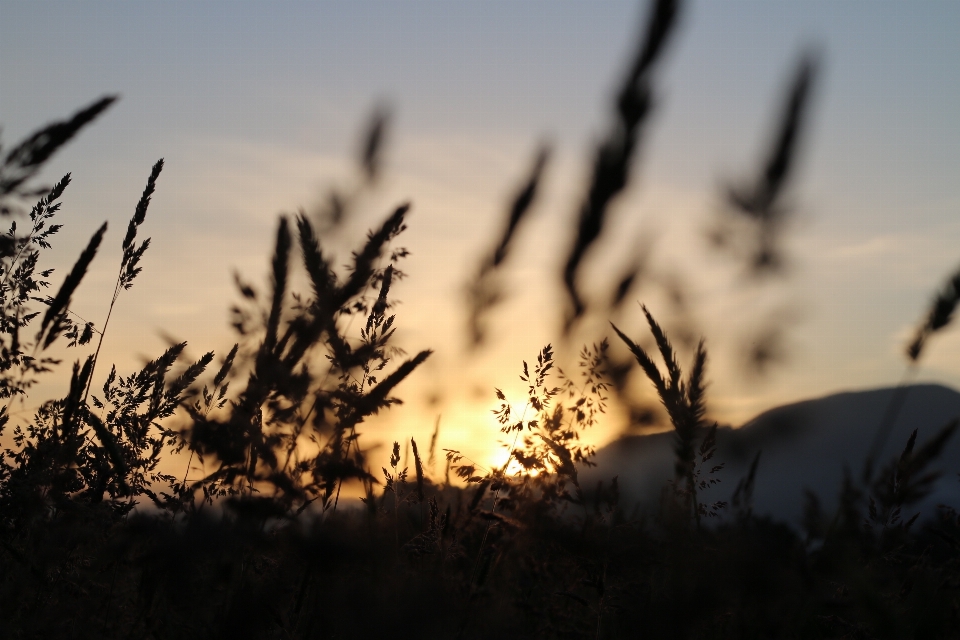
(804, 445)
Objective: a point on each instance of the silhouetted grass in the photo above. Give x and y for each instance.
(96, 542)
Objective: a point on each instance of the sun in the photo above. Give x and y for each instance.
(507, 416)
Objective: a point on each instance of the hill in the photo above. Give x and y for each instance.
(805, 445)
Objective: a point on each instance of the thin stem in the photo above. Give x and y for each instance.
(183, 483)
(496, 499)
(396, 509)
(890, 415)
(336, 500)
(316, 397)
(28, 240)
(96, 354)
(206, 412)
(603, 581)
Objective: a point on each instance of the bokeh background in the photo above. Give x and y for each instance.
(258, 109)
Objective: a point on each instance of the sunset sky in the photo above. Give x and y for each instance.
(258, 109)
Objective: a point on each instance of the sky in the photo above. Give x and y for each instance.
(258, 109)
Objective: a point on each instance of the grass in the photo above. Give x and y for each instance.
(96, 541)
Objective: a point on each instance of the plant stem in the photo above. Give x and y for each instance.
(890, 415)
(103, 332)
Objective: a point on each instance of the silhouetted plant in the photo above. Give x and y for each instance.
(685, 404)
(485, 291)
(257, 442)
(614, 156)
(25, 159)
(763, 201)
(18, 290)
(98, 539)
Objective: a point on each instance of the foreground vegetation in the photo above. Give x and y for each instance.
(97, 541)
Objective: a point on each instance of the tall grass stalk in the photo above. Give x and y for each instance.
(129, 263)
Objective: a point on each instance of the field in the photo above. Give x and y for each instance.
(99, 539)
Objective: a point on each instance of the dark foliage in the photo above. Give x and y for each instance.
(762, 202)
(23, 162)
(253, 541)
(485, 291)
(938, 317)
(613, 160)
